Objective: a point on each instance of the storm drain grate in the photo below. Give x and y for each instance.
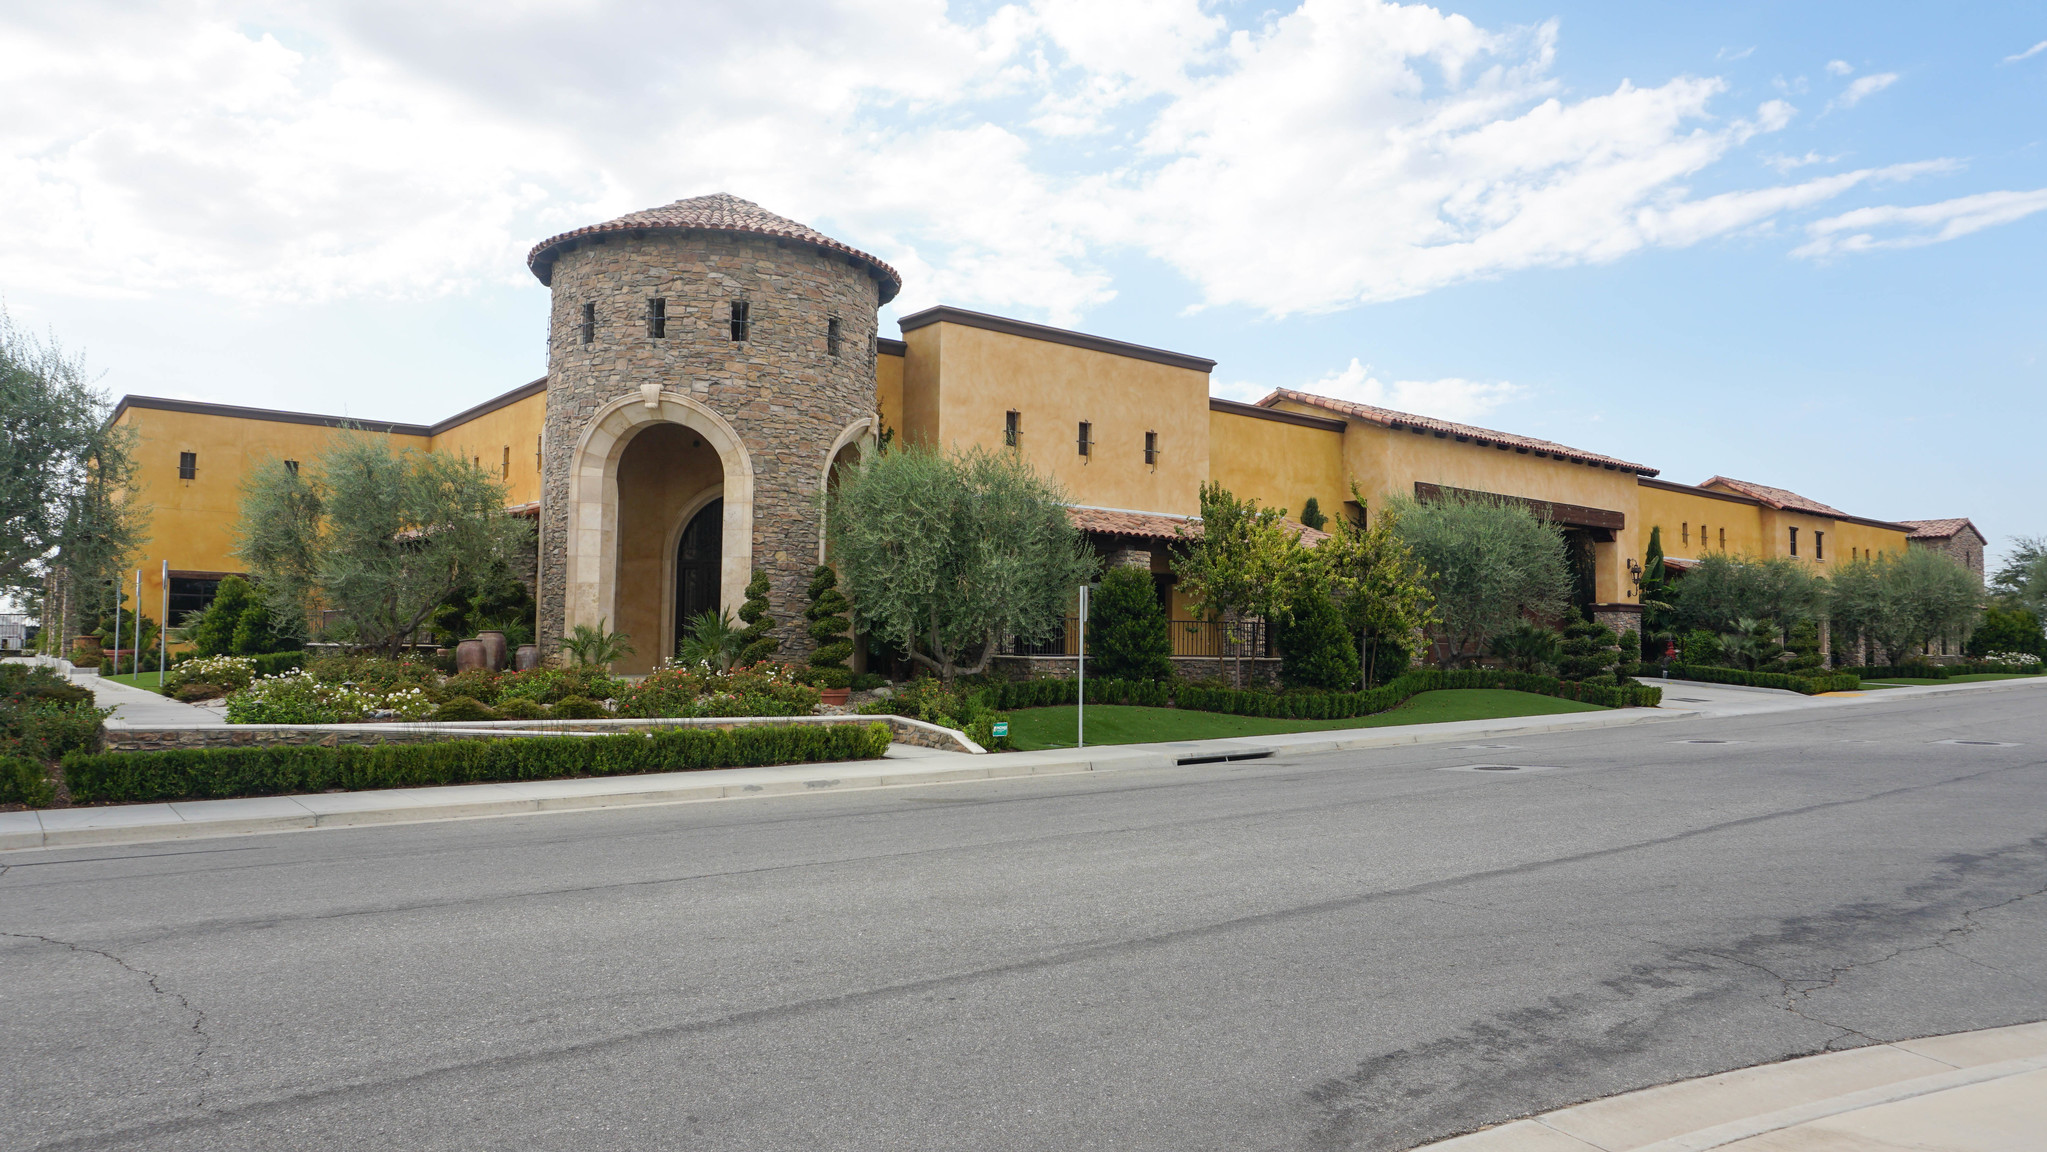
(1710, 741)
(1499, 768)
(1219, 758)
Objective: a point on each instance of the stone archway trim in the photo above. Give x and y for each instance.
(590, 594)
(862, 432)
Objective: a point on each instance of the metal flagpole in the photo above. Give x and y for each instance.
(1080, 696)
(138, 624)
(163, 628)
(115, 654)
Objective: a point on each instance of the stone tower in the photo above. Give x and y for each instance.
(708, 362)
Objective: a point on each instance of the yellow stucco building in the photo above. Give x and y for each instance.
(1129, 432)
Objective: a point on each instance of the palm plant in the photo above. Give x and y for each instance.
(715, 639)
(594, 645)
(1528, 647)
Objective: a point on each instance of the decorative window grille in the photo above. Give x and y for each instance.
(291, 466)
(1819, 545)
(1087, 438)
(188, 465)
(740, 322)
(1151, 447)
(831, 336)
(657, 317)
(1794, 541)
(589, 323)
(1012, 428)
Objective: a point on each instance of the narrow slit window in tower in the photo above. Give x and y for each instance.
(739, 320)
(589, 323)
(831, 336)
(657, 317)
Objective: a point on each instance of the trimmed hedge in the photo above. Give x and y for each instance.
(23, 781)
(1936, 671)
(1811, 684)
(1312, 705)
(218, 773)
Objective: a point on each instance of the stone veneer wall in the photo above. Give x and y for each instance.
(780, 389)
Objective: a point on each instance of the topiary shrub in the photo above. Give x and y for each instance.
(465, 708)
(1589, 653)
(1312, 515)
(1315, 649)
(1127, 637)
(521, 708)
(580, 708)
(754, 614)
(828, 623)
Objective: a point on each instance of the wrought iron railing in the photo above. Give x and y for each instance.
(1211, 638)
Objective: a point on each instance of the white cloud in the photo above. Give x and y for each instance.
(1786, 164)
(1338, 152)
(1451, 398)
(1862, 89)
(2035, 50)
(1731, 54)
(1839, 68)
(1893, 226)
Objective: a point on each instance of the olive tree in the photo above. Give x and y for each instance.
(1244, 561)
(1381, 587)
(1491, 564)
(945, 556)
(1900, 601)
(66, 479)
(1722, 589)
(379, 536)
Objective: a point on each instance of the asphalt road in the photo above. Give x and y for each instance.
(1362, 950)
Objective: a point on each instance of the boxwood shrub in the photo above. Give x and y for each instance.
(1312, 705)
(219, 773)
(1810, 683)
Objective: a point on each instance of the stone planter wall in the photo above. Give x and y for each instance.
(122, 737)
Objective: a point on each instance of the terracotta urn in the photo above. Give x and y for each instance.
(836, 697)
(470, 654)
(495, 649)
(526, 658)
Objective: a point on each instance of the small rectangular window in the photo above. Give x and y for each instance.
(657, 317)
(1685, 531)
(740, 323)
(1012, 429)
(589, 323)
(831, 336)
(291, 466)
(188, 465)
(1794, 541)
(1819, 545)
(1151, 447)
(1723, 539)
(1702, 535)
(508, 461)
(1087, 438)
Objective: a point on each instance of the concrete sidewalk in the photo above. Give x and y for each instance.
(131, 705)
(1969, 1092)
(904, 765)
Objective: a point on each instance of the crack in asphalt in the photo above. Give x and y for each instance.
(198, 1024)
(1505, 1061)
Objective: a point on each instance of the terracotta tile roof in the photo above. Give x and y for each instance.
(1388, 418)
(1780, 498)
(719, 212)
(1939, 529)
(1159, 525)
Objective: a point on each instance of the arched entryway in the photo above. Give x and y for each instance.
(698, 556)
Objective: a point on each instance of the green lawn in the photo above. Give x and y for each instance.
(1034, 728)
(1971, 678)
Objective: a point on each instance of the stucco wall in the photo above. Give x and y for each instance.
(1700, 522)
(1278, 464)
(888, 390)
(509, 433)
(960, 382)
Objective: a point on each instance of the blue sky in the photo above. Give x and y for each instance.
(1795, 244)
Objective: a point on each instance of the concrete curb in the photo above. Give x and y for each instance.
(136, 823)
(1906, 1079)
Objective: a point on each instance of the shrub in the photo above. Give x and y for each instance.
(371, 673)
(43, 715)
(679, 690)
(1699, 647)
(1589, 653)
(1810, 685)
(194, 691)
(272, 663)
(1316, 650)
(479, 684)
(828, 623)
(1631, 654)
(2007, 630)
(580, 708)
(869, 681)
(291, 698)
(460, 708)
(23, 781)
(232, 673)
(1529, 647)
(522, 708)
(1127, 635)
(212, 773)
(235, 623)
(758, 644)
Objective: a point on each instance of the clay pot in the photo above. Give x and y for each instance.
(495, 649)
(526, 658)
(469, 654)
(836, 697)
